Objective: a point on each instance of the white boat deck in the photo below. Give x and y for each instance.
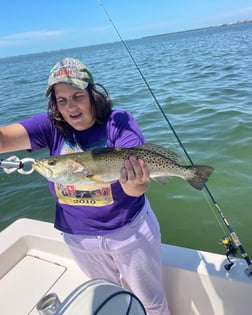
(34, 264)
(35, 261)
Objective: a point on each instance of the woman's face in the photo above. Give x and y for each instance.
(74, 105)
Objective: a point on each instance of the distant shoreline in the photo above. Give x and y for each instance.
(128, 40)
(202, 28)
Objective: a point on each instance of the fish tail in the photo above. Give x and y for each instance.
(201, 175)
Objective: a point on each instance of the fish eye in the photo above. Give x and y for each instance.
(51, 162)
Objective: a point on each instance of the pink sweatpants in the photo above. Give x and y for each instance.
(133, 252)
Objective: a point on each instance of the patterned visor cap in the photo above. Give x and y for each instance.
(70, 71)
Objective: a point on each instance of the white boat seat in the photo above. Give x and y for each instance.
(95, 297)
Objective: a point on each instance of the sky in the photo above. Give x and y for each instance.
(31, 26)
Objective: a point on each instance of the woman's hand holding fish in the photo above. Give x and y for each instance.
(134, 177)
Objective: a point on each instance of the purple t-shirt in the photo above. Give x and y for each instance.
(93, 210)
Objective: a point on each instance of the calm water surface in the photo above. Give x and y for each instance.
(202, 79)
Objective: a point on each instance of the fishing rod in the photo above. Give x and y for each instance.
(231, 242)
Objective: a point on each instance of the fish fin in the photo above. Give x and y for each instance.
(160, 150)
(99, 180)
(95, 179)
(201, 174)
(160, 179)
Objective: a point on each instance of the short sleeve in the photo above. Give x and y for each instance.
(40, 130)
(123, 130)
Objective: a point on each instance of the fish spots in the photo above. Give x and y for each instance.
(103, 165)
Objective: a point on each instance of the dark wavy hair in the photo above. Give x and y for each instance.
(100, 103)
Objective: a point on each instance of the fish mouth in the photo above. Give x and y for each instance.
(42, 169)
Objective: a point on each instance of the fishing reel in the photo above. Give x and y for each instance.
(231, 250)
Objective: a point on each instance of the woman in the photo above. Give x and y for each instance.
(110, 230)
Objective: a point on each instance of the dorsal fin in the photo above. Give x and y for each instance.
(160, 150)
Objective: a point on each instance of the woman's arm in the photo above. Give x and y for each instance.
(14, 137)
(124, 132)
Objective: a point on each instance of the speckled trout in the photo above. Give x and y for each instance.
(102, 165)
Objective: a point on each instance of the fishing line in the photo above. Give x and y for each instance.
(227, 241)
(146, 82)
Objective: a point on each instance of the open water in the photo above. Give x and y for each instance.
(203, 81)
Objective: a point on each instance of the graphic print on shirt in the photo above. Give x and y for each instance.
(93, 194)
